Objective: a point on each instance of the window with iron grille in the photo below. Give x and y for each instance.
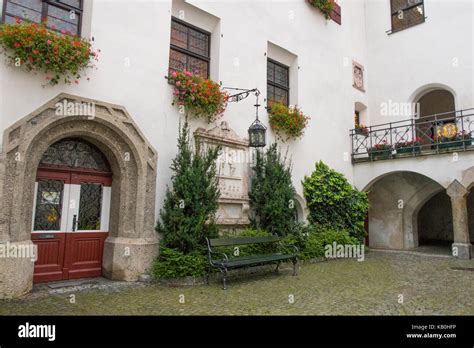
(278, 82)
(407, 13)
(190, 48)
(60, 14)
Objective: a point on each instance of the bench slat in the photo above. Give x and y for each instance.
(244, 261)
(242, 240)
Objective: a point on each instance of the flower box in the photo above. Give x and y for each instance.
(380, 154)
(361, 131)
(456, 144)
(408, 150)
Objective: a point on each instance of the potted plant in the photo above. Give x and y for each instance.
(411, 146)
(461, 139)
(361, 130)
(59, 55)
(201, 97)
(380, 151)
(290, 121)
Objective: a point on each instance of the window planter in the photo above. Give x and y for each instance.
(456, 144)
(380, 154)
(361, 131)
(285, 121)
(409, 150)
(199, 96)
(35, 48)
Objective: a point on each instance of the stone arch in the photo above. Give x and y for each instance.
(301, 208)
(425, 89)
(133, 162)
(395, 199)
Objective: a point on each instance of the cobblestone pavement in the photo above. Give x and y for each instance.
(429, 285)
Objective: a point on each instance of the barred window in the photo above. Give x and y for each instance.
(189, 49)
(62, 15)
(278, 82)
(407, 13)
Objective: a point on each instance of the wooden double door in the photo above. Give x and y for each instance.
(70, 223)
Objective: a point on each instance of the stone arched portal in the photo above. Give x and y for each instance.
(395, 200)
(132, 241)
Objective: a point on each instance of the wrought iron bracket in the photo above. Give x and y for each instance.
(242, 94)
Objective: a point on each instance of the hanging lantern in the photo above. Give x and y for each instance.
(257, 129)
(257, 134)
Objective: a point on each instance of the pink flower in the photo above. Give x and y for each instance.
(188, 73)
(174, 74)
(17, 20)
(189, 82)
(63, 31)
(176, 91)
(49, 42)
(178, 83)
(192, 97)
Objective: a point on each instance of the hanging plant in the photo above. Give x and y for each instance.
(36, 48)
(288, 121)
(201, 97)
(325, 6)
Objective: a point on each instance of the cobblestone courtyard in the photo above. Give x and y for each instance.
(429, 285)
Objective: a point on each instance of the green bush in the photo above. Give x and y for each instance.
(312, 241)
(333, 202)
(188, 213)
(272, 193)
(174, 264)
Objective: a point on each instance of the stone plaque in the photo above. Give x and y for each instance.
(358, 76)
(233, 173)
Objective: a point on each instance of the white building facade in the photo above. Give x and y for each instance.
(370, 65)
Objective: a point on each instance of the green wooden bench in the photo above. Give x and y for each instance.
(222, 261)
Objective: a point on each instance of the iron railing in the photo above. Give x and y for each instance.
(429, 135)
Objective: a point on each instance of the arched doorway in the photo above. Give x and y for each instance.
(71, 211)
(132, 243)
(435, 223)
(395, 200)
(435, 108)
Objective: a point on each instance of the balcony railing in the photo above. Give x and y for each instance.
(430, 135)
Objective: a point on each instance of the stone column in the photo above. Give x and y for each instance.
(462, 247)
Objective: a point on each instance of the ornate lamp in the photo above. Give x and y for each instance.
(257, 129)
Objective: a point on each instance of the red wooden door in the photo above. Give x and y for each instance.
(70, 223)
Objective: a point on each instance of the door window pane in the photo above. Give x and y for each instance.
(48, 205)
(90, 207)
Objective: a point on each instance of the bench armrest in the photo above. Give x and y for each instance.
(225, 258)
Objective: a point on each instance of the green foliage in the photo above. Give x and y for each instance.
(174, 264)
(333, 202)
(36, 48)
(325, 6)
(272, 193)
(312, 242)
(187, 217)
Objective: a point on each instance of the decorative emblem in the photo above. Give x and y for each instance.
(448, 131)
(358, 76)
